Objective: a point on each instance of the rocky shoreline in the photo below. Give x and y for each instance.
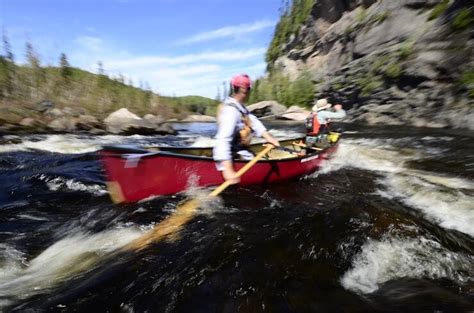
(67, 120)
(123, 122)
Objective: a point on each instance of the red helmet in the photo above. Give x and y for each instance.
(242, 81)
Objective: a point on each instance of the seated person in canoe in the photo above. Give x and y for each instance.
(235, 127)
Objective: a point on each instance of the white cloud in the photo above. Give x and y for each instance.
(221, 56)
(228, 31)
(90, 43)
(197, 73)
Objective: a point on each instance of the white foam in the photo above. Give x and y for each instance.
(68, 144)
(368, 154)
(60, 183)
(63, 260)
(205, 142)
(445, 200)
(382, 261)
(439, 198)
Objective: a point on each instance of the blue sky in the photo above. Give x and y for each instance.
(179, 47)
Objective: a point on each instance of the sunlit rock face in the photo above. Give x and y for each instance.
(390, 62)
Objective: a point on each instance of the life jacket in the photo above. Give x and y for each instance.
(312, 124)
(242, 137)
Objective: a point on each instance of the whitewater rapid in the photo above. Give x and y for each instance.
(445, 200)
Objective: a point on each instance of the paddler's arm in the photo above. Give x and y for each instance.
(261, 131)
(228, 119)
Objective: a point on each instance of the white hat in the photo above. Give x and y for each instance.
(319, 104)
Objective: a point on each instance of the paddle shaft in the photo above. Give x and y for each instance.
(302, 145)
(241, 172)
(184, 212)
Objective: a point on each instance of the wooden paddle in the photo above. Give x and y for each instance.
(302, 145)
(184, 212)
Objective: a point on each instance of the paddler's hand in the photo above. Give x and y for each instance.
(229, 174)
(270, 139)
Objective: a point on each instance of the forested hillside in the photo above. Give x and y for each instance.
(28, 88)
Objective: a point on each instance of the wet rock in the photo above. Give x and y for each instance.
(125, 122)
(295, 113)
(73, 112)
(54, 113)
(30, 122)
(265, 108)
(62, 124)
(10, 139)
(87, 122)
(45, 105)
(157, 120)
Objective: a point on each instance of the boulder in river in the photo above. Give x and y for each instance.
(125, 122)
(87, 122)
(266, 108)
(295, 113)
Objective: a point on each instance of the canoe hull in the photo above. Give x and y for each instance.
(164, 173)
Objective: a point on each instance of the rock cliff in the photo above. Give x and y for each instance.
(389, 61)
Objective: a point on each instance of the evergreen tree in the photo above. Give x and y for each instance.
(302, 90)
(36, 73)
(65, 68)
(218, 96)
(7, 48)
(102, 79)
(7, 68)
(100, 68)
(31, 56)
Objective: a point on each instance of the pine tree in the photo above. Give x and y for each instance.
(100, 68)
(102, 79)
(218, 96)
(65, 68)
(36, 73)
(7, 68)
(31, 56)
(7, 48)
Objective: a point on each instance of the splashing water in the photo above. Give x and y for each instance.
(381, 261)
(63, 260)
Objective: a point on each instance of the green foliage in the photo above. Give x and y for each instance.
(301, 91)
(338, 86)
(463, 19)
(194, 104)
(467, 81)
(368, 84)
(406, 49)
(95, 94)
(280, 88)
(292, 18)
(379, 18)
(65, 68)
(393, 70)
(380, 63)
(439, 9)
(361, 15)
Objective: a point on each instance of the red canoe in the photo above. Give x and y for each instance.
(135, 173)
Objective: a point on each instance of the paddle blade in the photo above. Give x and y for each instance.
(167, 227)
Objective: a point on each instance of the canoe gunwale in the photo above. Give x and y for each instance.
(154, 154)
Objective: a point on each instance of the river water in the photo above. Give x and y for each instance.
(387, 225)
